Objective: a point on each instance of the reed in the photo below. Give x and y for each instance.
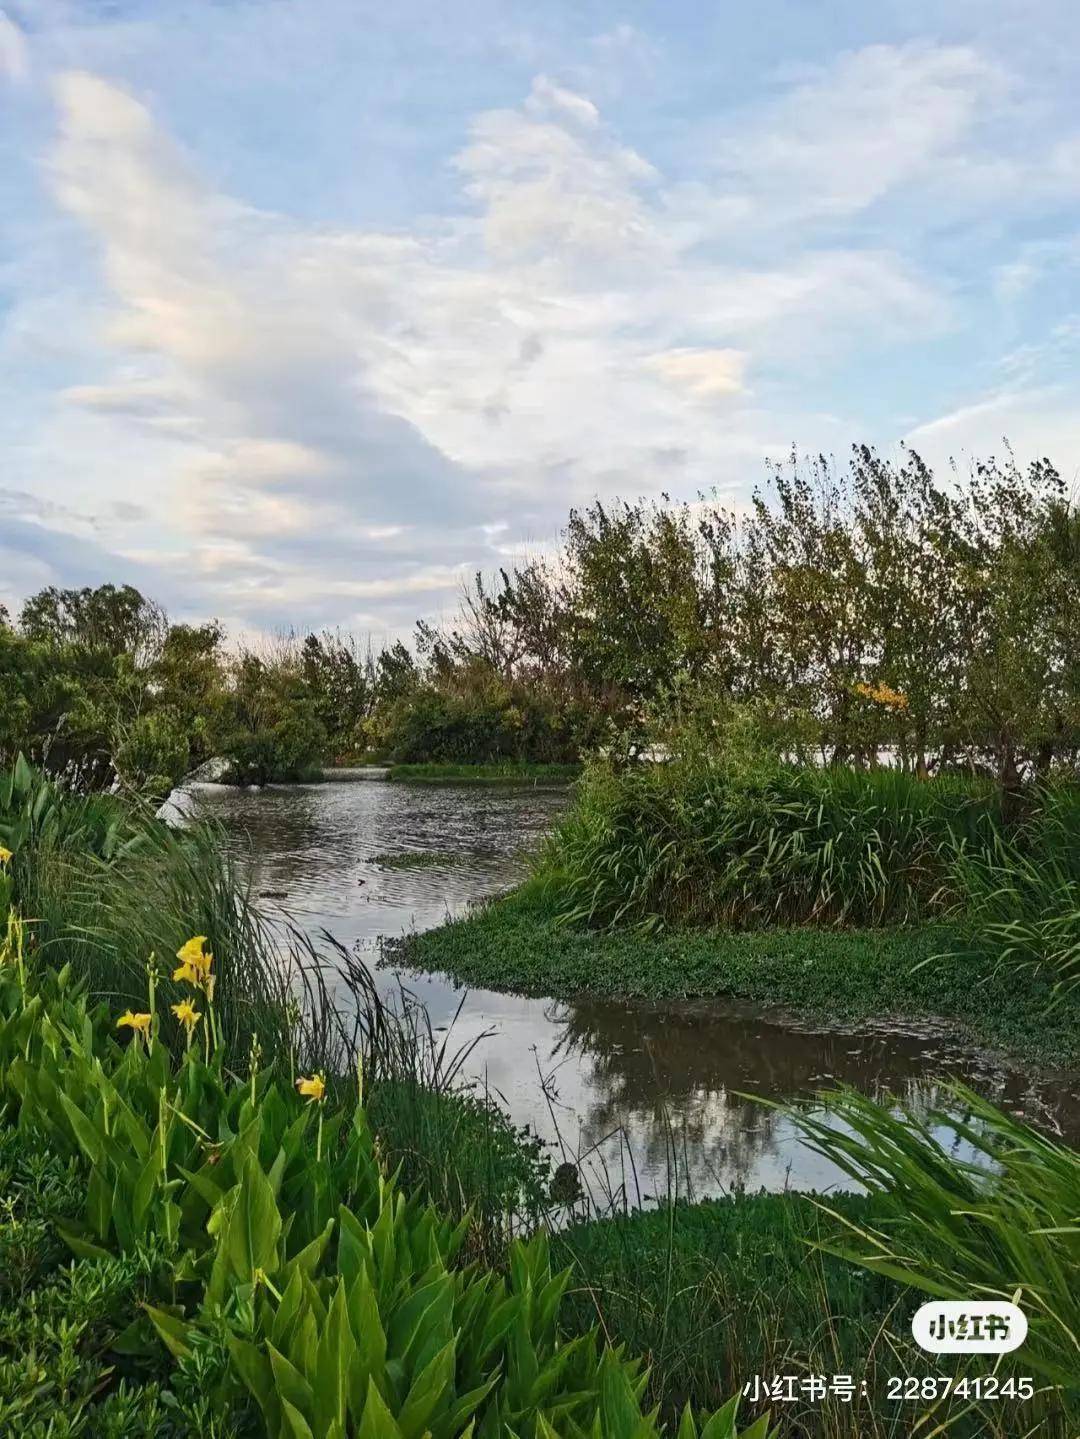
(688, 844)
(1003, 1224)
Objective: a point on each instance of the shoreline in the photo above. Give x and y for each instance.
(859, 979)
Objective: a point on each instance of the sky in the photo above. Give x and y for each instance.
(311, 308)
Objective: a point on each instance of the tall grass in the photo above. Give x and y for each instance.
(1003, 1225)
(688, 844)
(714, 1293)
(1020, 896)
(106, 886)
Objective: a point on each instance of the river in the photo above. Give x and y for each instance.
(646, 1097)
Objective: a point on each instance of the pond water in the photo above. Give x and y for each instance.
(645, 1096)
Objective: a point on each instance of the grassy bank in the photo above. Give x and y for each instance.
(499, 772)
(520, 943)
(697, 1289)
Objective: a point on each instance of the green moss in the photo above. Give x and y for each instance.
(518, 943)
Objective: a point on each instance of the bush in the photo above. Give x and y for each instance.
(479, 720)
(690, 843)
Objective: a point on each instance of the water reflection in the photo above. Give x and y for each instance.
(649, 1097)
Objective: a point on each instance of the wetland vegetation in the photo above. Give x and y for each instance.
(823, 756)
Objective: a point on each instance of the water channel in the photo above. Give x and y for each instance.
(646, 1095)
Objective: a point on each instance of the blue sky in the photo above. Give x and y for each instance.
(310, 307)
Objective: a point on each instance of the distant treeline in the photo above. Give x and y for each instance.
(855, 612)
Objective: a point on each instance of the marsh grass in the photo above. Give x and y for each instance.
(716, 1292)
(1005, 1224)
(1019, 904)
(686, 844)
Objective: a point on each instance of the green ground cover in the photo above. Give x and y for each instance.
(520, 943)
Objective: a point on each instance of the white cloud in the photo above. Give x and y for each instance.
(855, 130)
(14, 56)
(704, 373)
(330, 415)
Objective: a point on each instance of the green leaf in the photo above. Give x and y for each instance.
(255, 1370)
(254, 1226)
(294, 1423)
(378, 1422)
(174, 1330)
(79, 1245)
(290, 1384)
(89, 1137)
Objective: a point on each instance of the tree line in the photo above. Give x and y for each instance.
(862, 613)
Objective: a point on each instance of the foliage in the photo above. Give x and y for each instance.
(1020, 908)
(857, 611)
(865, 608)
(62, 1374)
(1001, 1225)
(502, 772)
(695, 1288)
(518, 943)
(479, 720)
(698, 843)
(334, 1301)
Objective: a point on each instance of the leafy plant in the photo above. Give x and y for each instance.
(339, 1301)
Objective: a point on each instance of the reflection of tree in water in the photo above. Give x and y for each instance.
(670, 1077)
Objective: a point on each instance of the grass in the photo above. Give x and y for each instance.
(717, 1292)
(497, 772)
(697, 1289)
(655, 846)
(1021, 897)
(520, 943)
(1005, 1225)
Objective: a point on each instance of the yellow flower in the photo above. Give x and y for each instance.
(5, 854)
(195, 961)
(186, 1013)
(196, 954)
(313, 1088)
(883, 694)
(138, 1022)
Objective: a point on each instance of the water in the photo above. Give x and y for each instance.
(646, 1096)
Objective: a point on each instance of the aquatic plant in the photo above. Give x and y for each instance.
(693, 843)
(1004, 1224)
(336, 1301)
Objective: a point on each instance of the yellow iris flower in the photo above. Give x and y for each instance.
(195, 961)
(140, 1023)
(186, 1013)
(5, 854)
(313, 1088)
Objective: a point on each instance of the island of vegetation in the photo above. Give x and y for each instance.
(823, 754)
